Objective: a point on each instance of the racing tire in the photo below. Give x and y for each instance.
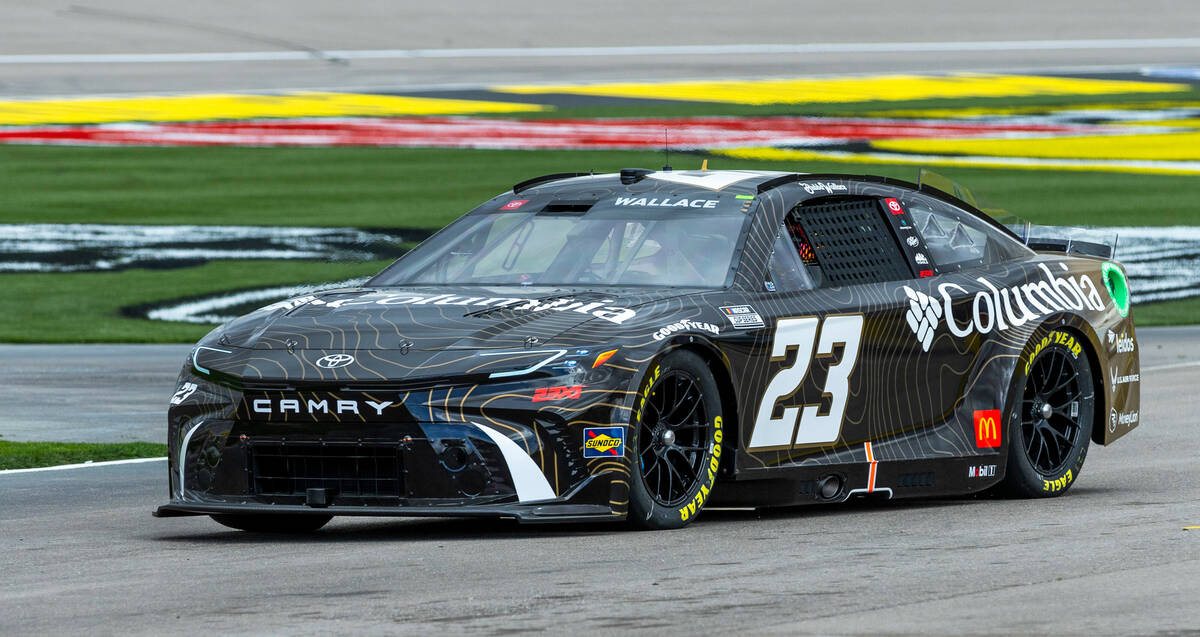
(676, 432)
(278, 523)
(1051, 416)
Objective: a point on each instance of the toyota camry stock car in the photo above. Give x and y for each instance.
(645, 344)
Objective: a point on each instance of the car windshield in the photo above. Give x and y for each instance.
(652, 248)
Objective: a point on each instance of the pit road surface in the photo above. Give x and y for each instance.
(82, 554)
(238, 45)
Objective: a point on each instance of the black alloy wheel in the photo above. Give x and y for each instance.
(677, 426)
(1053, 422)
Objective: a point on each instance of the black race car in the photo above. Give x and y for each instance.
(642, 345)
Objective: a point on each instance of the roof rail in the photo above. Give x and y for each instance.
(537, 181)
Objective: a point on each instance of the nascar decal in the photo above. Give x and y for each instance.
(698, 500)
(996, 309)
(603, 442)
(742, 316)
(683, 326)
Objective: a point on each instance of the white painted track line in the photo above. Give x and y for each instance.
(607, 51)
(61, 467)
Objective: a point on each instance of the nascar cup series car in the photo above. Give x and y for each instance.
(639, 346)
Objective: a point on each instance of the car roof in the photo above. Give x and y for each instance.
(700, 182)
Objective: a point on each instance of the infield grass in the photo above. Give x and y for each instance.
(389, 187)
(27, 455)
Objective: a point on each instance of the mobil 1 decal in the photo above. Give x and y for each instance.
(783, 418)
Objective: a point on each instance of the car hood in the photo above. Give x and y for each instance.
(439, 318)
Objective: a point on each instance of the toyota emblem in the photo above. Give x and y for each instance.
(333, 361)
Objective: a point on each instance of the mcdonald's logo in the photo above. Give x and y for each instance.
(987, 428)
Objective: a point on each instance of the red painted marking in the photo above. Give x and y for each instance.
(894, 206)
(473, 132)
(514, 204)
(926, 273)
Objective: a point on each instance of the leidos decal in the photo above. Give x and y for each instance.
(603, 442)
(996, 309)
(714, 463)
(1121, 344)
(599, 309)
(987, 428)
(666, 202)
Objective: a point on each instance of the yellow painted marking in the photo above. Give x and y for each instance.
(168, 108)
(1188, 122)
(989, 111)
(890, 88)
(790, 155)
(1190, 528)
(1158, 146)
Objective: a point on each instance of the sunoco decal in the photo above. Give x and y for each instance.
(603, 442)
(995, 309)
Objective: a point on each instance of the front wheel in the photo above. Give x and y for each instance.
(278, 523)
(677, 434)
(1051, 422)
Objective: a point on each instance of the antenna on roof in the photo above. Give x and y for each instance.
(667, 150)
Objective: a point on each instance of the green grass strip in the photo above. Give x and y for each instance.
(28, 455)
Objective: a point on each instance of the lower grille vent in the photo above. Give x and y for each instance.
(350, 469)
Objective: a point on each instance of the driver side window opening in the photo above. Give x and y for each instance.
(844, 240)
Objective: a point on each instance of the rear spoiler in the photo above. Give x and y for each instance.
(1091, 242)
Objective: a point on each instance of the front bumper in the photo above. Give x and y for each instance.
(416, 469)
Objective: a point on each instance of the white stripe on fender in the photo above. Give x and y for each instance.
(81, 465)
(527, 477)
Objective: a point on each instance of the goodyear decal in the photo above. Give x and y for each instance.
(714, 462)
(1059, 337)
(603, 442)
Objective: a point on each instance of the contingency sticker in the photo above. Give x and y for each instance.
(742, 317)
(603, 442)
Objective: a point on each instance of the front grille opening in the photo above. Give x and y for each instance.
(350, 469)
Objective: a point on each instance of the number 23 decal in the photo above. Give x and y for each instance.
(803, 424)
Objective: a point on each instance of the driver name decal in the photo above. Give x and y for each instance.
(666, 202)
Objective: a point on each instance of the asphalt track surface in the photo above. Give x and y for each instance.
(82, 554)
(471, 43)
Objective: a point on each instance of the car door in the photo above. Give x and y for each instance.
(845, 363)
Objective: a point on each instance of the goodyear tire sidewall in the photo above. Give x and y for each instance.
(1025, 476)
(645, 509)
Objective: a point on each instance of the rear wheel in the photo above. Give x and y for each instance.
(677, 429)
(267, 523)
(1051, 424)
